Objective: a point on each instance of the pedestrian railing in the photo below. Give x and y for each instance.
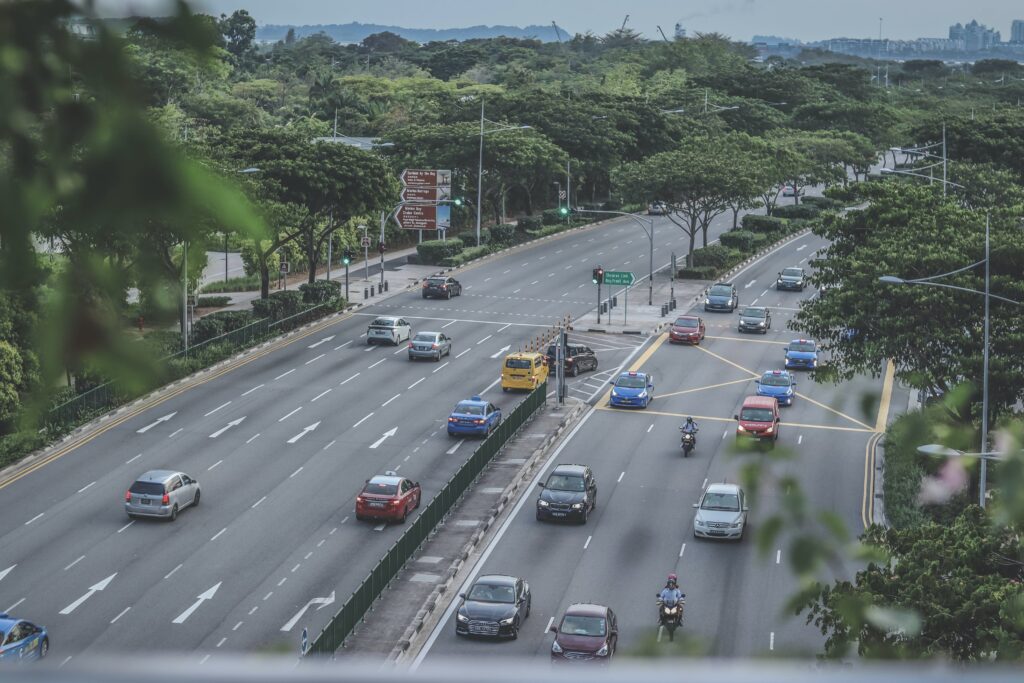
(361, 601)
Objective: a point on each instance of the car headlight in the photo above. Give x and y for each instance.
(643, 394)
(577, 506)
(615, 394)
(698, 522)
(603, 652)
(542, 503)
(761, 324)
(737, 525)
(556, 648)
(707, 301)
(740, 428)
(769, 430)
(462, 617)
(779, 281)
(507, 622)
(789, 392)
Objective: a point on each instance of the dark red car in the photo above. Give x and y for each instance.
(687, 329)
(389, 497)
(587, 633)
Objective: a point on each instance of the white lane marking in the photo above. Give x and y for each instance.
(565, 293)
(258, 502)
(217, 535)
(214, 465)
(535, 282)
(322, 541)
(284, 374)
(341, 346)
(379, 527)
(517, 291)
(321, 395)
(295, 568)
(401, 349)
(175, 433)
(336, 528)
(14, 606)
(165, 418)
(322, 341)
(764, 292)
(391, 432)
(487, 280)
(455, 447)
(120, 614)
(650, 428)
(229, 425)
(290, 414)
(620, 477)
(460, 355)
(369, 348)
(376, 364)
(485, 339)
(551, 274)
(803, 259)
(222, 641)
(389, 400)
(131, 460)
(771, 641)
(449, 324)
(238, 626)
(126, 526)
(295, 472)
(778, 556)
(362, 421)
(500, 351)
(581, 286)
(222, 405)
(441, 367)
(168, 574)
(267, 596)
(501, 329)
(86, 486)
(682, 550)
(329, 445)
(754, 302)
(67, 567)
(92, 589)
(308, 555)
(313, 360)
(258, 386)
(253, 438)
(490, 386)
(253, 610)
(587, 544)
(66, 660)
(349, 379)
(749, 284)
(507, 271)
(416, 382)
(799, 439)
(547, 628)
(725, 434)
(705, 484)
(801, 247)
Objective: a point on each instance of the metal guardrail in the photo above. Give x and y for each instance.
(360, 602)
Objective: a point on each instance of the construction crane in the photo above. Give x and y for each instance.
(558, 34)
(663, 35)
(623, 27)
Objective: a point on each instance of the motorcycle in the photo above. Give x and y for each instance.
(689, 442)
(670, 616)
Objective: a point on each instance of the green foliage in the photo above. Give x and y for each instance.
(216, 324)
(697, 273)
(503, 234)
(717, 256)
(529, 223)
(796, 211)
(829, 203)
(10, 380)
(320, 291)
(278, 305)
(743, 241)
(552, 217)
(212, 301)
(466, 255)
(763, 224)
(433, 252)
(242, 283)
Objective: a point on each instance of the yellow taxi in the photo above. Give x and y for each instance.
(523, 370)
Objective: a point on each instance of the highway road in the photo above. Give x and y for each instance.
(281, 445)
(642, 528)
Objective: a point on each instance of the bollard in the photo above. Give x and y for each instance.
(366, 293)
(664, 310)
(371, 290)
(673, 303)
(615, 301)
(386, 289)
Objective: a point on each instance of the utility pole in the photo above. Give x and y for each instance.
(184, 296)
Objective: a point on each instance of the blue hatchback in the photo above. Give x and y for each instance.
(801, 353)
(633, 389)
(474, 416)
(777, 383)
(21, 640)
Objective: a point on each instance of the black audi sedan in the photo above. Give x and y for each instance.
(496, 606)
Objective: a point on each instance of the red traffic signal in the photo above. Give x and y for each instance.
(598, 275)
(380, 247)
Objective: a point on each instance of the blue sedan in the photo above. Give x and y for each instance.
(802, 353)
(777, 383)
(474, 416)
(21, 640)
(633, 389)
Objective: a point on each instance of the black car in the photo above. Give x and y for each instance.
(578, 358)
(570, 493)
(792, 278)
(441, 287)
(495, 606)
(755, 319)
(721, 297)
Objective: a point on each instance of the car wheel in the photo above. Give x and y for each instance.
(369, 342)
(529, 606)
(448, 294)
(405, 513)
(575, 371)
(585, 516)
(360, 518)
(424, 295)
(515, 631)
(195, 501)
(44, 648)
(174, 513)
(504, 388)
(437, 357)
(539, 517)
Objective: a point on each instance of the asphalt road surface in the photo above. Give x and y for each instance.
(642, 528)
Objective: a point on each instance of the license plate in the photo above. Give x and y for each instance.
(376, 505)
(144, 501)
(558, 514)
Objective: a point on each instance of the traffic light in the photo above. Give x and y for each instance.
(346, 257)
(598, 275)
(457, 201)
(564, 210)
(380, 247)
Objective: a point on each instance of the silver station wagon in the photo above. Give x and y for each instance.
(161, 493)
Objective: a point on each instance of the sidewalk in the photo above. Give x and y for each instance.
(632, 315)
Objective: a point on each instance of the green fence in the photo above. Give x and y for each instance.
(359, 603)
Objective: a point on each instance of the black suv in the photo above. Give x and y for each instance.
(578, 358)
(440, 286)
(792, 278)
(570, 493)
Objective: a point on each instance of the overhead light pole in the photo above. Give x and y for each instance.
(480, 165)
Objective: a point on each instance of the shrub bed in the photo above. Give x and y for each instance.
(244, 283)
(503, 234)
(320, 291)
(433, 252)
(279, 305)
(212, 301)
(804, 211)
(528, 223)
(823, 203)
(697, 273)
(466, 255)
(717, 256)
(744, 240)
(763, 223)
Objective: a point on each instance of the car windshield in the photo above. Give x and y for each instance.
(565, 482)
(149, 488)
(721, 290)
(582, 626)
(483, 592)
(729, 502)
(801, 346)
(753, 312)
(381, 489)
(631, 382)
(518, 363)
(775, 380)
(469, 409)
(686, 322)
(435, 282)
(792, 272)
(756, 415)
(425, 337)
(384, 322)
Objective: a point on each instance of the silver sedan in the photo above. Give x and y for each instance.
(431, 345)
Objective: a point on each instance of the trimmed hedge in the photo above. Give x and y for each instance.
(433, 252)
(244, 283)
(467, 255)
(552, 217)
(763, 223)
(213, 301)
(216, 324)
(697, 273)
(528, 223)
(717, 256)
(320, 291)
(796, 211)
(279, 305)
(823, 203)
(744, 240)
(504, 234)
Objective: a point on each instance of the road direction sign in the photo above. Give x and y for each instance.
(417, 177)
(420, 216)
(618, 277)
(284, 267)
(364, 241)
(416, 193)
(561, 194)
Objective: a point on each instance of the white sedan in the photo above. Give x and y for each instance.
(388, 330)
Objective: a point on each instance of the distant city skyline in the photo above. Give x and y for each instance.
(807, 20)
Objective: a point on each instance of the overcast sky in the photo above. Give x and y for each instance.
(739, 19)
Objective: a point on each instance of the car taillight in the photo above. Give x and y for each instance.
(128, 496)
(410, 345)
(166, 500)
(433, 346)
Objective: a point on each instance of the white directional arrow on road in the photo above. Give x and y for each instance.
(305, 431)
(801, 247)
(502, 350)
(233, 423)
(323, 602)
(165, 418)
(749, 284)
(390, 432)
(7, 571)
(97, 587)
(322, 341)
(201, 598)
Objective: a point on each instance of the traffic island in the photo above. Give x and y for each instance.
(403, 617)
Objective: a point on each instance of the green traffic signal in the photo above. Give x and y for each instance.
(564, 210)
(458, 201)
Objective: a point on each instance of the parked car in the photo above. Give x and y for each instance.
(755, 319)
(721, 513)
(578, 358)
(495, 606)
(388, 497)
(586, 633)
(722, 296)
(161, 493)
(569, 493)
(441, 287)
(431, 345)
(388, 330)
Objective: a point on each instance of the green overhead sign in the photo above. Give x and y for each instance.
(619, 277)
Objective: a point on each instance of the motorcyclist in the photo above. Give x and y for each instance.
(690, 427)
(671, 594)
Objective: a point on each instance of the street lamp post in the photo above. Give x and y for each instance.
(650, 237)
(480, 165)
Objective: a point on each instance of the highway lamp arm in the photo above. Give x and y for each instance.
(650, 238)
(921, 175)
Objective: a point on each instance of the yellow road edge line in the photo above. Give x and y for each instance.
(639, 362)
(56, 455)
(710, 386)
(886, 398)
(752, 341)
(724, 419)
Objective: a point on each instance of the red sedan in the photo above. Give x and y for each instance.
(389, 497)
(687, 329)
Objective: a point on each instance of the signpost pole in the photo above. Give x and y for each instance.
(599, 304)
(625, 305)
(383, 219)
